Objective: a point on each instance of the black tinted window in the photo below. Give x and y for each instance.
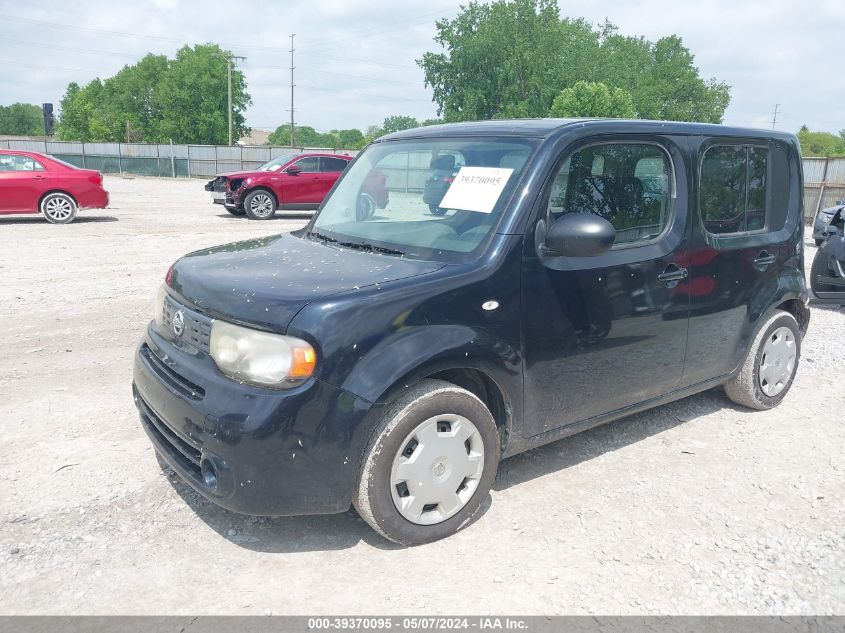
(628, 184)
(733, 189)
(333, 164)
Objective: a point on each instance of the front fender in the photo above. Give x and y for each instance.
(416, 352)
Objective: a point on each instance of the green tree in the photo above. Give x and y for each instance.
(820, 143)
(586, 99)
(510, 58)
(306, 136)
(398, 122)
(193, 100)
(158, 99)
(348, 139)
(21, 119)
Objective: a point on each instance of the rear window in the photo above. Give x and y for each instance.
(733, 189)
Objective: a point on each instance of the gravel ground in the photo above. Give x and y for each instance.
(695, 507)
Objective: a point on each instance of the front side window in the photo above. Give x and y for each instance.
(733, 189)
(435, 199)
(627, 184)
(308, 165)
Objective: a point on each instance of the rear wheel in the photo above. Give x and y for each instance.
(429, 465)
(259, 205)
(58, 208)
(235, 211)
(771, 364)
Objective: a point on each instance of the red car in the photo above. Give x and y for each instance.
(292, 182)
(35, 183)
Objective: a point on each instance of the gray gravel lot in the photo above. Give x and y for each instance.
(695, 507)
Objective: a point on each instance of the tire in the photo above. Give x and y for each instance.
(366, 207)
(777, 340)
(58, 208)
(259, 205)
(407, 426)
(435, 210)
(236, 211)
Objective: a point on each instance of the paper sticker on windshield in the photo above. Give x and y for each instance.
(476, 189)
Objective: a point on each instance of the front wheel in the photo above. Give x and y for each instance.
(771, 364)
(429, 465)
(58, 208)
(259, 205)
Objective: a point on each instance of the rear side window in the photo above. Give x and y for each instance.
(628, 184)
(16, 162)
(733, 189)
(333, 164)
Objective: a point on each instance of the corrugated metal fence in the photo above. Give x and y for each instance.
(824, 183)
(149, 159)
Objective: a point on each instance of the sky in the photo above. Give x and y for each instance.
(355, 60)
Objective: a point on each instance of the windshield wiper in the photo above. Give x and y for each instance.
(320, 236)
(364, 246)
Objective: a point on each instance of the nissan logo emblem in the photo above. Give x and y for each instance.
(178, 324)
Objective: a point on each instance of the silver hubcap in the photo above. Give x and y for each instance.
(58, 208)
(777, 362)
(366, 205)
(437, 469)
(261, 205)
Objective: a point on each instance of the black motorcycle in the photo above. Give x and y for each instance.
(827, 276)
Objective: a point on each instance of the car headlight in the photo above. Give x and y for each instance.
(158, 306)
(260, 358)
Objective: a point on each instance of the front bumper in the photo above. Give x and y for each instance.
(248, 449)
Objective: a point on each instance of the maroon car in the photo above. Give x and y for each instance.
(293, 182)
(35, 183)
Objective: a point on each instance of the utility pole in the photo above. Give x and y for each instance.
(292, 126)
(775, 116)
(229, 59)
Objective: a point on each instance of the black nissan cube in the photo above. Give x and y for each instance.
(573, 272)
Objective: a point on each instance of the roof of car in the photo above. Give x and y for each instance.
(20, 152)
(540, 128)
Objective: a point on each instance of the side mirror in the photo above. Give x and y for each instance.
(293, 170)
(579, 235)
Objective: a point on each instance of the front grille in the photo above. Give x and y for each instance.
(219, 184)
(196, 329)
(187, 454)
(170, 376)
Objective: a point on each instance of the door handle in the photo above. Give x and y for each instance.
(763, 261)
(673, 275)
(38, 177)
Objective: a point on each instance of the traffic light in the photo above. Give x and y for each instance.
(47, 110)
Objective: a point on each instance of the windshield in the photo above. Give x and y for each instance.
(428, 199)
(274, 164)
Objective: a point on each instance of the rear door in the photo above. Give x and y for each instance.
(22, 180)
(604, 333)
(330, 170)
(739, 244)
